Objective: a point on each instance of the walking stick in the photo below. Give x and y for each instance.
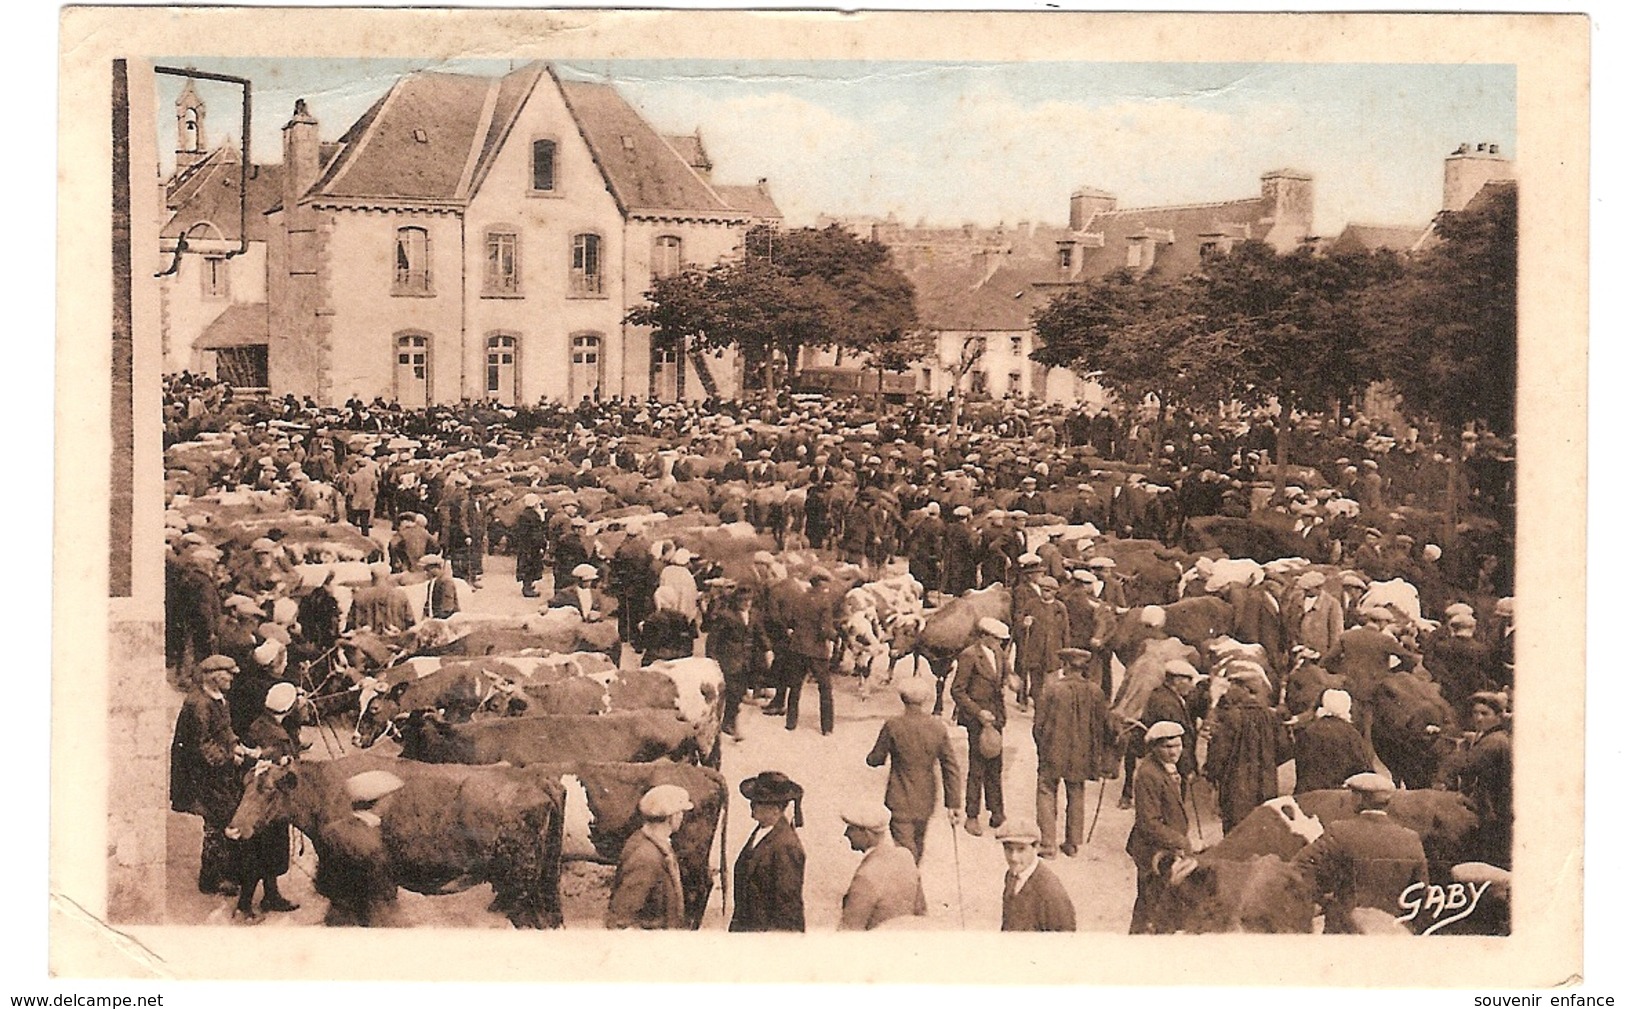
(1100, 797)
(959, 879)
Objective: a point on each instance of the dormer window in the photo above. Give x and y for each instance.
(1063, 257)
(1135, 253)
(543, 155)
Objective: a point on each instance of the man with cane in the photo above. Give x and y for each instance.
(917, 744)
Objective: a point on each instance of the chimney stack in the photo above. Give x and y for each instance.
(1086, 203)
(1469, 169)
(301, 155)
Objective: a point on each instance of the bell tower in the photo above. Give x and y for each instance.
(190, 143)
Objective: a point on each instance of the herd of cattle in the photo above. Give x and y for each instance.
(524, 743)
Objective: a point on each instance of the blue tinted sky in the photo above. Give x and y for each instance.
(990, 142)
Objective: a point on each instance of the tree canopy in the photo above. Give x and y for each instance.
(788, 290)
(1310, 331)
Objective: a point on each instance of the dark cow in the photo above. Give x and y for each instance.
(613, 791)
(1260, 894)
(1237, 537)
(633, 737)
(448, 828)
(1444, 820)
(948, 630)
(1413, 728)
(1245, 881)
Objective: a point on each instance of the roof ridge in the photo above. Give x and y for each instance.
(1178, 206)
(482, 170)
(476, 148)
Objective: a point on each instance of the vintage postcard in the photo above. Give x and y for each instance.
(539, 479)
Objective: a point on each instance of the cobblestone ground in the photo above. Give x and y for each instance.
(962, 880)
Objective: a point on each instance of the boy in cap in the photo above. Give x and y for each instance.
(886, 884)
(274, 734)
(978, 695)
(1366, 861)
(648, 887)
(917, 744)
(1161, 830)
(1034, 899)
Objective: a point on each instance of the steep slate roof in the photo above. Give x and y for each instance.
(207, 192)
(1233, 219)
(753, 200)
(691, 150)
(1370, 237)
(464, 121)
(415, 142)
(644, 172)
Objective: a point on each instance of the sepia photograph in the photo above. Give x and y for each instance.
(569, 479)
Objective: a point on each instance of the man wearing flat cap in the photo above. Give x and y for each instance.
(1483, 772)
(1161, 830)
(812, 640)
(1365, 861)
(203, 780)
(529, 542)
(648, 887)
(1034, 899)
(1072, 730)
(886, 884)
(978, 695)
(771, 867)
(917, 744)
(1319, 614)
(958, 554)
(1043, 627)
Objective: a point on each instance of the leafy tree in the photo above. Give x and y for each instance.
(788, 290)
(1450, 327)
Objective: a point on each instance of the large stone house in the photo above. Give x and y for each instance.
(471, 238)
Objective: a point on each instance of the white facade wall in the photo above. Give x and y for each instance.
(188, 311)
(545, 314)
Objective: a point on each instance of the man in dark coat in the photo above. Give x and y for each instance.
(1328, 750)
(570, 550)
(1462, 665)
(203, 759)
(925, 547)
(812, 638)
(1366, 861)
(529, 540)
(1249, 742)
(978, 695)
(193, 612)
(1071, 727)
(958, 554)
(1161, 829)
(1034, 899)
(736, 639)
(1483, 772)
(1043, 630)
(769, 872)
(917, 744)
(1362, 655)
(648, 887)
(632, 580)
(440, 599)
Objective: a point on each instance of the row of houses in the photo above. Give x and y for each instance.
(471, 237)
(978, 287)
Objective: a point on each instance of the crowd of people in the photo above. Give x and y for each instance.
(964, 503)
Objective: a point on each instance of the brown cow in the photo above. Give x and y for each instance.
(948, 630)
(446, 829)
(633, 737)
